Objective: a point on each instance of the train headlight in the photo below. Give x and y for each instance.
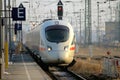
(49, 48)
(66, 48)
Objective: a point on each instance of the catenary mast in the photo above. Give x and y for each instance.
(88, 28)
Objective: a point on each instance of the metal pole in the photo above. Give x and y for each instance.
(89, 23)
(98, 29)
(80, 26)
(0, 49)
(0, 40)
(21, 38)
(29, 14)
(110, 11)
(6, 36)
(5, 14)
(119, 20)
(88, 35)
(85, 25)
(9, 24)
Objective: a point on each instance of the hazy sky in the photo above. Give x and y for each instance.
(41, 9)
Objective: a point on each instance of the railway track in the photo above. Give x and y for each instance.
(63, 74)
(57, 73)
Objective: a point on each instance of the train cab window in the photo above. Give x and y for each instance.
(57, 33)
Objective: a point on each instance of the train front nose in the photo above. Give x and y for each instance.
(60, 54)
(63, 57)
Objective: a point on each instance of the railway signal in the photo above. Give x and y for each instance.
(18, 26)
(60, 10)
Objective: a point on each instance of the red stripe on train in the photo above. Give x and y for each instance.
(72, 48)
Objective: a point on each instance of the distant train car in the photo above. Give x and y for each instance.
(53, 42)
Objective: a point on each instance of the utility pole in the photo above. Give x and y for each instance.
(80, 26)
(12, 22)
(1, 40)
(0, 47)
(88, 29)
(110, 8)
(98, 27)
(6, 36)
(10, 29)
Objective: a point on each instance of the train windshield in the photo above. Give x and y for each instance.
(57, 33)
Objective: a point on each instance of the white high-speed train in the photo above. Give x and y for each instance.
(53, 42)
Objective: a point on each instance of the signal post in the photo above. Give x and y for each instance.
(60, 10)
(1, 73)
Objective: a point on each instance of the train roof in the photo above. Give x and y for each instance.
(47, 20)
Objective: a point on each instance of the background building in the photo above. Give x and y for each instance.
(112, 31)
(112, 28)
